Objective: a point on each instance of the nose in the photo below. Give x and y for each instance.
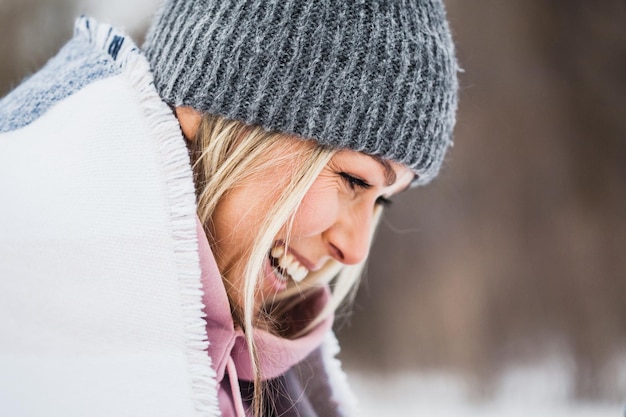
(350, 237)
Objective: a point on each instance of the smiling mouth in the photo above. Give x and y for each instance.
(286, 266)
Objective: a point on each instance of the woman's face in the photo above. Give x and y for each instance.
(333, 222)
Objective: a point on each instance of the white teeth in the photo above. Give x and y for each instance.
(284, 263)
(300, 274)
(280, 275)
(289, 264)
(277, 251)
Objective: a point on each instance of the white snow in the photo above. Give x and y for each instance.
(540, 391)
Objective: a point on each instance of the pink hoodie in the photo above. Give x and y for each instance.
(227, 345)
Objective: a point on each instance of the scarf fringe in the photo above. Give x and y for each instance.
(180, 194)
(347, 401)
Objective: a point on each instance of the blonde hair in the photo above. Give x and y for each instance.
(224, 154)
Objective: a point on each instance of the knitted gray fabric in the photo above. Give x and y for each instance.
(377, 76)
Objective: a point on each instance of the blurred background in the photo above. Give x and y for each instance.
(502, 285)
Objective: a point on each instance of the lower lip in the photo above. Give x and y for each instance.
(272, 279)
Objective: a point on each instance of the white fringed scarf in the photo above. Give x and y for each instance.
(100, 294)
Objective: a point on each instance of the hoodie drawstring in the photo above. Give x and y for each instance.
(234, 387)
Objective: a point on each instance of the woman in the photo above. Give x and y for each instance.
(301, 119)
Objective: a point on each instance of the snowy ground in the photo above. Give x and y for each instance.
(536, 392)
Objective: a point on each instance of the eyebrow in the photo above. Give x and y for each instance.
(390, 174)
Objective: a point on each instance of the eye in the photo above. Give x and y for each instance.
(382, 201)
(354, 182)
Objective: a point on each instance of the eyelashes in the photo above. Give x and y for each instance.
(355, 182)
(382, 201)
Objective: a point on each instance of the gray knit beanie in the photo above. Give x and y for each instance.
(376, 76)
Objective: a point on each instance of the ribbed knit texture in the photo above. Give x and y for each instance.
(377, 76)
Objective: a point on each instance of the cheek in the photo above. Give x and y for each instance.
(317, 213)
(235, 222)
